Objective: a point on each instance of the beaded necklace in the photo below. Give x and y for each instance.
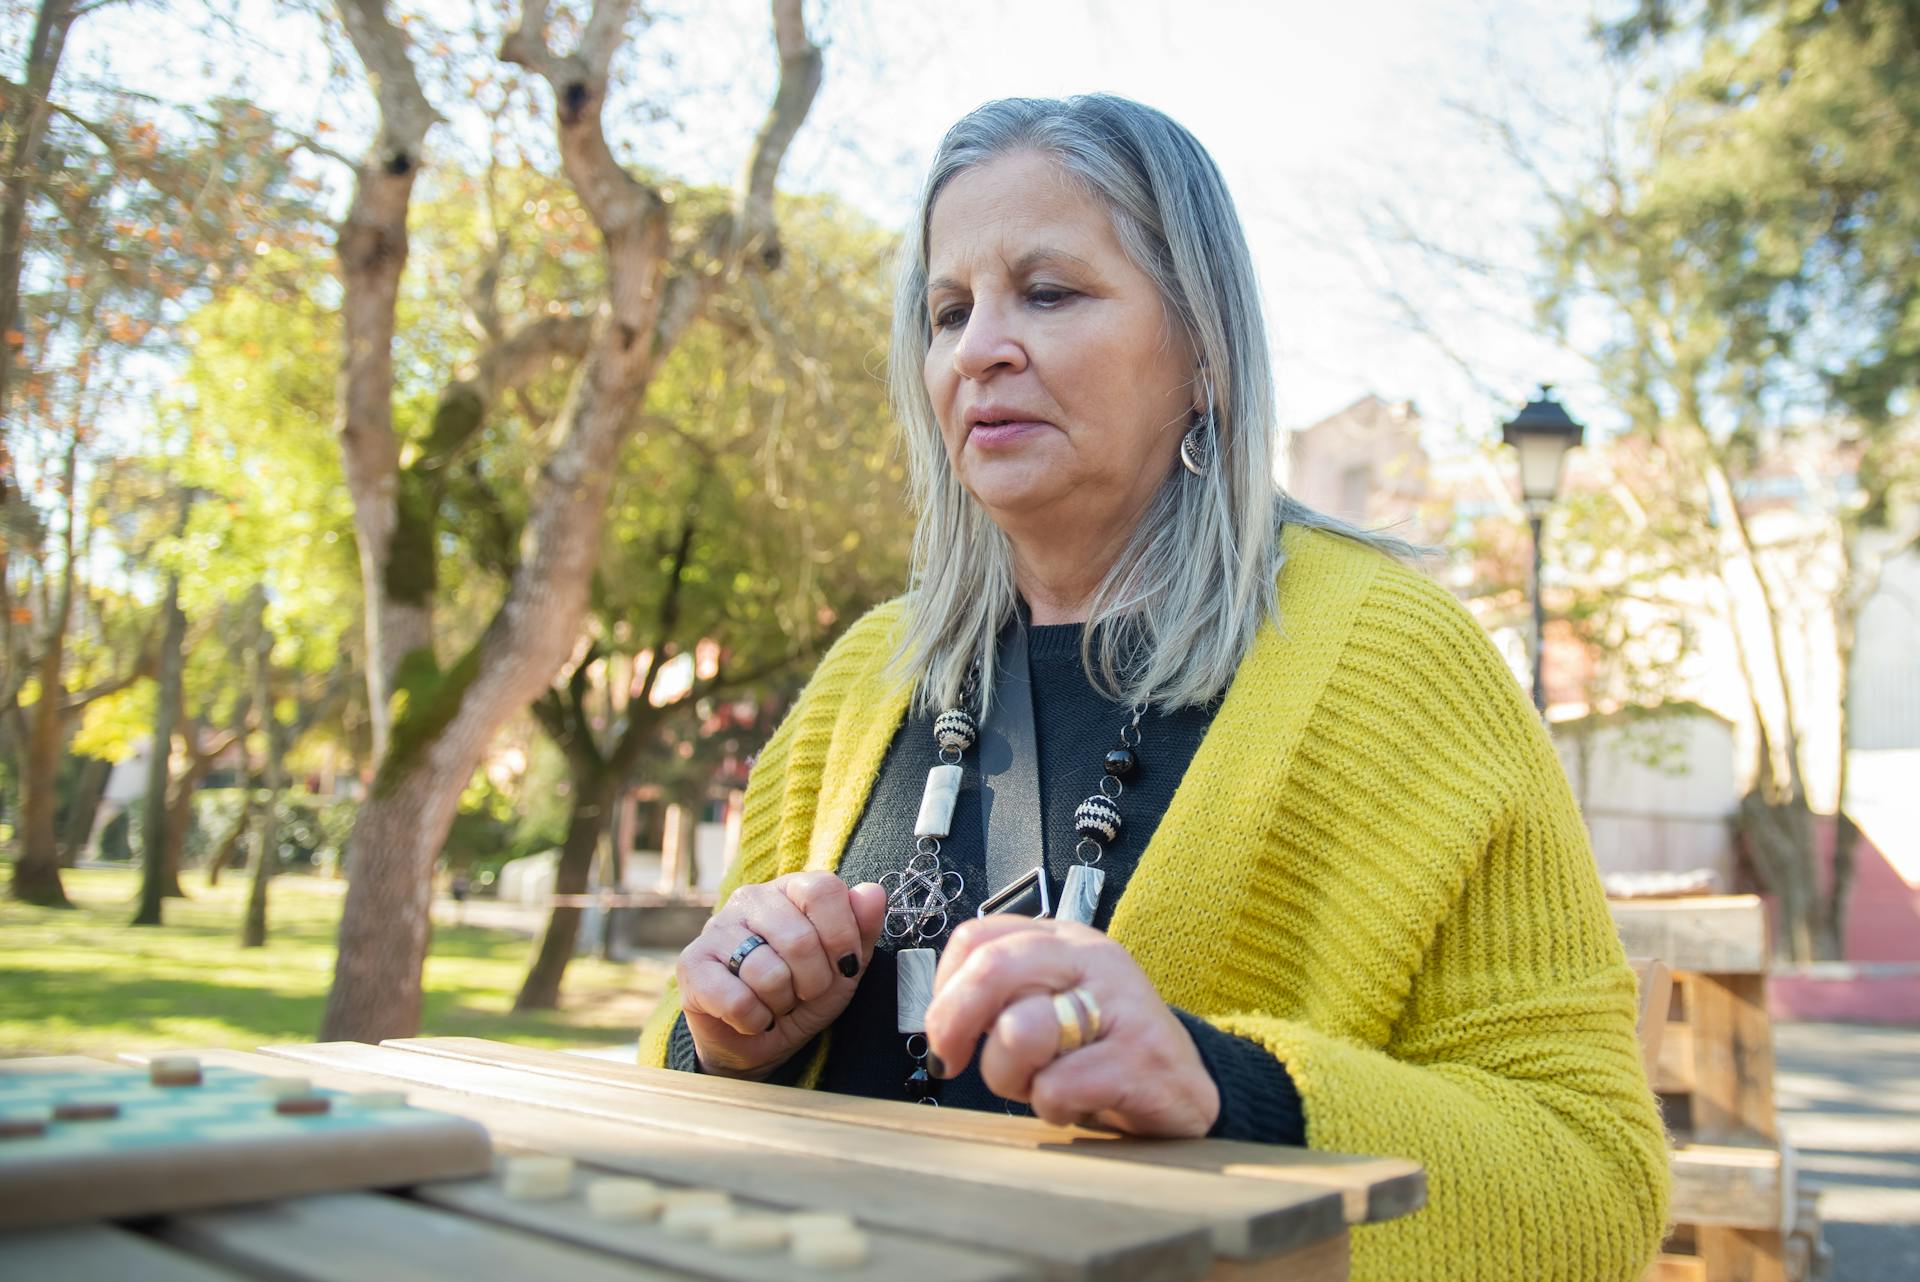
(920, 894)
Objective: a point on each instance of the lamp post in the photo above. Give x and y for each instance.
(1542, 433)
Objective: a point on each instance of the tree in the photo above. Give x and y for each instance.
(109, 223)
(657, 286)
(1757, 260)
(757, 518)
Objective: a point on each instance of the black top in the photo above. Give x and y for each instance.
(1075, 726)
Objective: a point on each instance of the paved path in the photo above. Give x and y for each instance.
(1849, 1099)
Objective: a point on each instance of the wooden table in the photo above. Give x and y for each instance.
(946, 1195)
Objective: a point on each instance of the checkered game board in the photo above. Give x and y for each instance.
(109, 1142)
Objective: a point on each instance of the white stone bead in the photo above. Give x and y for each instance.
(1080, 898)
(937, 802)
(914, 987)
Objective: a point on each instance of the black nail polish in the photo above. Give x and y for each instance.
(850, 965)
(936, 1065)
(773, 1023)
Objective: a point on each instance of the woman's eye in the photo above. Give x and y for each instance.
(948, 317)
(1048, 295)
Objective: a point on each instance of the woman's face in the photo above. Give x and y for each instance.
(1060, 383)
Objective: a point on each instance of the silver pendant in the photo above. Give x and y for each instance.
(913, 987)
(937, 802)
(1080, 898)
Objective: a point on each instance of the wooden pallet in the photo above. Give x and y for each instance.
(1739, 1215)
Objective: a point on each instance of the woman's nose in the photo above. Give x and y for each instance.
(989, 343)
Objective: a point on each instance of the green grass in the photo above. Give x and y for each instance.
(85, 982)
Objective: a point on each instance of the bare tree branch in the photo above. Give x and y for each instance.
(405, 116)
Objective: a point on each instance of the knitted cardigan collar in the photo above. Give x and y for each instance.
(1217, 806)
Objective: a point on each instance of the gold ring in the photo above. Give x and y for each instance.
(1073, 1034)
(1090, 1009)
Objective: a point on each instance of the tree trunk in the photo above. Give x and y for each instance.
(266, 862)
(593, 791)
(224, 852)
(253, 931)
(372, 249)
(384, 924)
(27, 115)
(153, 855)
(1779, 836)
(180, 813)
(434, 748)
(83, 809)
(36, 875)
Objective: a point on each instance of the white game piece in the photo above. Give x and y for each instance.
(692, 1212)
(820, 1222)
(277, 1087)
(623, 1199)
(830, 1250)
(375, 1101)
(749, 1234)
(174, 1070)
(531, 1178)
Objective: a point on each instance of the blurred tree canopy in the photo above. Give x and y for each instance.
(1751, 244)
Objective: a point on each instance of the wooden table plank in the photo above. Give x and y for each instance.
(99, 1253)
(1371, 1188)
(1732, 1056)
(1328, 1261)
(1248, 1219)
(1698, 932)
(353, 1237)
(1729, 1185)
(982, 1233)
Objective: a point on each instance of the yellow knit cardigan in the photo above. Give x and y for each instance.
(1373, 867)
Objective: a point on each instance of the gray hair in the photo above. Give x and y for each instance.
(1182, 604)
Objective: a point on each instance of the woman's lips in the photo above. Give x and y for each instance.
(998, 435)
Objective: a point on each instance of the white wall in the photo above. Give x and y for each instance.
(1656, 792)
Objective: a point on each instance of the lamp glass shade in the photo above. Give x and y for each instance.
(1542, 457)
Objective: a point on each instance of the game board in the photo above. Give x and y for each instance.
(83, 1141)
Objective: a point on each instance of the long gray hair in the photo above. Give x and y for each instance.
(1179, 609)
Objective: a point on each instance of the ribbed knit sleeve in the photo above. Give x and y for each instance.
(1443, 980)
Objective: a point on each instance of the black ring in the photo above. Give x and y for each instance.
(739, 957)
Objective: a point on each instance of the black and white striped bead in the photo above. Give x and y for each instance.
(956, 729)
(1097, 819)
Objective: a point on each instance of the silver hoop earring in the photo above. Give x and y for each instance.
(1196, 447)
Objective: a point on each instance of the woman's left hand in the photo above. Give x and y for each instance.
(998, 977)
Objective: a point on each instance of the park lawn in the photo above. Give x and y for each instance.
(85, 982)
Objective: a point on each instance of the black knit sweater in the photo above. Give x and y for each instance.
(1075, 726)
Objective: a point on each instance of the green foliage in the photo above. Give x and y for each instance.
(768, 435)
(1768, 238)
(112, 725)
(311, 833)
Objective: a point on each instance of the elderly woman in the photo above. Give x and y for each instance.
(1161, 801)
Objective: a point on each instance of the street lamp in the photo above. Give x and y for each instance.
(1542, 433)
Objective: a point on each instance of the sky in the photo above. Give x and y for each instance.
(1330, 122)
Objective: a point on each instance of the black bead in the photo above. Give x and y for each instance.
(1121, 761)
(920, 1087)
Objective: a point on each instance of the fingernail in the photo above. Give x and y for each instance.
(936, 1065)
(773, 1023)
(850, 965)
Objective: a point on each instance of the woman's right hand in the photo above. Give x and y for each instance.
(820, 936)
